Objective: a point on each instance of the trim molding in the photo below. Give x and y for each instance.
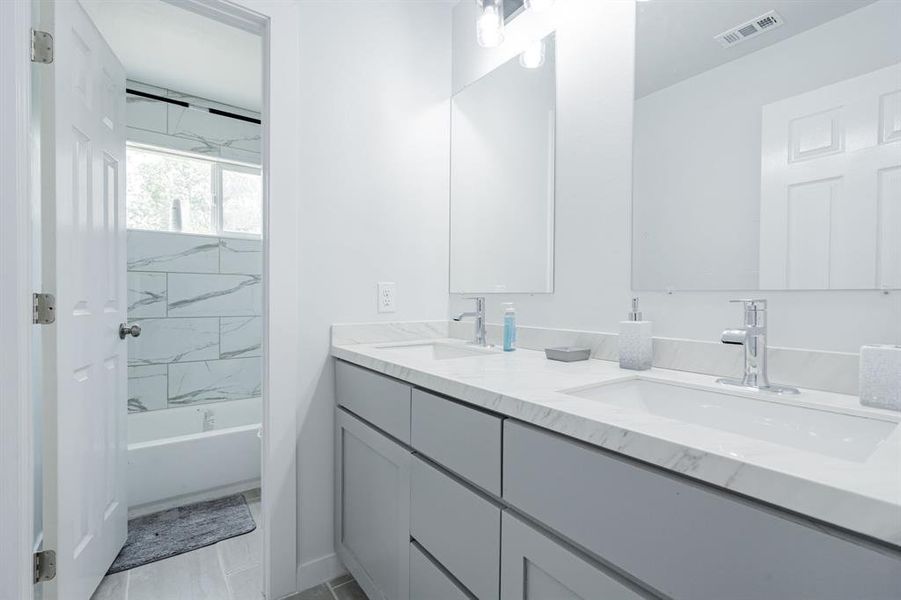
(16, 443)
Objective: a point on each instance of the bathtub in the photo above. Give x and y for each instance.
(190, 453)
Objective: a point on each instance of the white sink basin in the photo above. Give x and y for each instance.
(438, 350)
(844, 436)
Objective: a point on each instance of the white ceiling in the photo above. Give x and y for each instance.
(167, 46)
(675, 37)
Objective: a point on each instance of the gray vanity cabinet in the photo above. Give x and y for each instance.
(458, 526)
(686, 540)
(380, 400)
(535, 566)
(429, 582)
(372, 508)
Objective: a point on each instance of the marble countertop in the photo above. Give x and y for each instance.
(860, 495)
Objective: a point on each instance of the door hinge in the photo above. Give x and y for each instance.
(43, 309)
(44, 565)
(41, 47)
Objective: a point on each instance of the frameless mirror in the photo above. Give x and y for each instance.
(502, 177)
(767, 146)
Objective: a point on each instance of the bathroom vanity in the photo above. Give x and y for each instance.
(463, 472)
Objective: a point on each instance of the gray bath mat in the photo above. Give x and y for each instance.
(179, 530)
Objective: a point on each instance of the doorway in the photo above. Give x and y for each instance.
(152, 436)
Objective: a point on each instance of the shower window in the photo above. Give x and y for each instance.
(169, 191)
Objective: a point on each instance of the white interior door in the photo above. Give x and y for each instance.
(83, 184)
(830, 212)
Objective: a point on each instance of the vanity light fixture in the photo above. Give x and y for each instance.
(538, 5)
(490, 23)
(533, 56)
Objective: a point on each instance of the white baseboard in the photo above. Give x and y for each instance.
(319, 570)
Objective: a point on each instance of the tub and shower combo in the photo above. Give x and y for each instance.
(192, 453)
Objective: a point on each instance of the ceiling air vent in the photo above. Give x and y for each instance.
(752, 28)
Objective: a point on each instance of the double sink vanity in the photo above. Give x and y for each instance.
(467, 472)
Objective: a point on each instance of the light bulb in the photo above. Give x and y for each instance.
(490, 24)
(538, 5)
(533, 56)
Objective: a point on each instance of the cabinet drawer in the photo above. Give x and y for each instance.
(458, 527)
(380, 400)
(683, 539)
(465, 440)
(428, 582)
(535, 566)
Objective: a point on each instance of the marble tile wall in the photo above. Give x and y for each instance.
(199, 301)
(191, 129)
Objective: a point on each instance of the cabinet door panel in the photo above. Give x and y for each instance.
(537, 567)
(372, 512)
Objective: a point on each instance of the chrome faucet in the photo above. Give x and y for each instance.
(753, 337)
(481, 336)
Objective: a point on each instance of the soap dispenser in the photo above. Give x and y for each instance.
(636, 350)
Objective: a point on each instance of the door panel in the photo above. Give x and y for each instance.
(83, 145)
(826, 195)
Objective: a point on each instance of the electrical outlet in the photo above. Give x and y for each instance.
(387, 296)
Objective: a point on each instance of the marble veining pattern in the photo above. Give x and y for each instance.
(194, 316)
(861, 496)
(240, 256)
(172, 252)
(147, 388)
(240, 337)
(212, 381)
(146, 294)
(174, 340)
(220, 295)
(192, 129)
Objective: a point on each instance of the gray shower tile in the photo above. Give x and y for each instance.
(240, 337)
(172, 252)
(192, 576)
(210, 381)
(147, 388)
(221, 295)
(174, 340)
(240, 256)
(146, 295)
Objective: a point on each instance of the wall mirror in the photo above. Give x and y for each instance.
(502, 177)
(767, 146)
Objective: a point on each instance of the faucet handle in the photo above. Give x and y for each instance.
(755, 303)
(755, 311)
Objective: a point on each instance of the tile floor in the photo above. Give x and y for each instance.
(229, 570)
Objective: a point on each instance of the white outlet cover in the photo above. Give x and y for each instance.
(387, 296)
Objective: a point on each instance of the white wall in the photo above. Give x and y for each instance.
(710, 124)
(373, 204)
(595, 63)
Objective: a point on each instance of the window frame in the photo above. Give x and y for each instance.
(217, 166)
